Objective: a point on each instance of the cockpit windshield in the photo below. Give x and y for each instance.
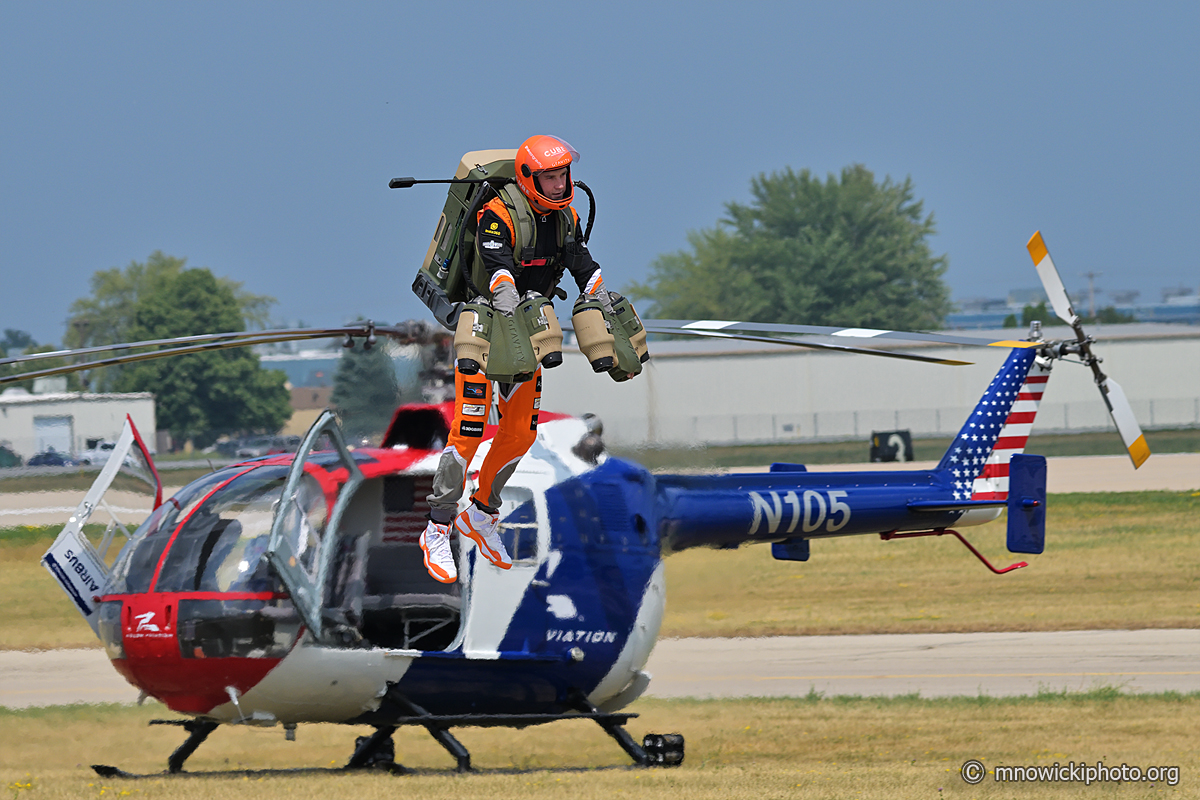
(134, 568)
(220, 547)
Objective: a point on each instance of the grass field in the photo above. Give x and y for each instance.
(811, 747)
(1111, 561)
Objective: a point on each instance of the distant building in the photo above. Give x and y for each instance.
(980, 313)
(34, 423)
(713, 392)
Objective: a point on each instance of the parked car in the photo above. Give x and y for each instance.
(51, 458)
(97, 452)
(8, 458)
(257, 446)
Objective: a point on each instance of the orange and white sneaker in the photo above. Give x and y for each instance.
(439, 555)
(482, 528)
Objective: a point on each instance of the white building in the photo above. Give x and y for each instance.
(713, 392)
(33, 423)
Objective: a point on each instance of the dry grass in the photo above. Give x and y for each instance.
(1111, 561)
(802, 748)
(37, 615)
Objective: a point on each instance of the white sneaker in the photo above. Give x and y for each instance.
(482, 528)
(439, 555)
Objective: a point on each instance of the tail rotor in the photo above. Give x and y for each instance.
(1114, 396)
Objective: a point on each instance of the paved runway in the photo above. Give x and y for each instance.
(933, 664)
(936, 665)
(1177, 472)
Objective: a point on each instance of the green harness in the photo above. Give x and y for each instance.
(524, 237)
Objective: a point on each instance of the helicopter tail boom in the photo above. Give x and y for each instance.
(983, 471)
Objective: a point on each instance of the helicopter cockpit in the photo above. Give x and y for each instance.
(207, 544)
(247, 561)
(251, 553)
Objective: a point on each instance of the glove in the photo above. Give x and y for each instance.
(505, 297)
(598, 292)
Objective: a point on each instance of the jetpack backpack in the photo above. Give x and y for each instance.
(441, 283)
(452, 282)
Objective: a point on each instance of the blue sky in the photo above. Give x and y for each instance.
(257, 139)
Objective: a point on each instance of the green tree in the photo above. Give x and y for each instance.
(1039, 312)
(847, 251)
(365, 391)
(1109, 315)
(203, 395)
(107, 316)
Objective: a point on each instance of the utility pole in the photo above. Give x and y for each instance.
(1091, 276)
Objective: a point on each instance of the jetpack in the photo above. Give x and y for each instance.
(452, 283)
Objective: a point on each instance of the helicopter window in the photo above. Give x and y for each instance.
(135, 475)
(109, 629)
(303, 523)
(220, 547)
(135, 565)
(518, 526)
(236, 628)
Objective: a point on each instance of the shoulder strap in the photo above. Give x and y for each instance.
(479, 274)
(524, 231)
(567, 222)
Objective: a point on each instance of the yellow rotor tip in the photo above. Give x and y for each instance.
(1037, 248)
(1139, 451)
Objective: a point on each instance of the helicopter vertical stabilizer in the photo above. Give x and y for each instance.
(996, 430)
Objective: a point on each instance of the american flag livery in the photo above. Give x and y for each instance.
(403, 524)
(997, 428)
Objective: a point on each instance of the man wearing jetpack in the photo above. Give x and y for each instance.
(518, 258)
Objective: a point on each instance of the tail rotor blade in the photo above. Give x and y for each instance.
(1127, 426)
(1051, 280)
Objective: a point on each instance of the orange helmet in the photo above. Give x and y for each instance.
(540, 153)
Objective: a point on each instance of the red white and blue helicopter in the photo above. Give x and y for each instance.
(291, 589)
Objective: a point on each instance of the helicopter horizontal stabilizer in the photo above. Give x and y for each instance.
(1027, 504)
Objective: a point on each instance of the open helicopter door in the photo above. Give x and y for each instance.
(302, 544)
(82, 568)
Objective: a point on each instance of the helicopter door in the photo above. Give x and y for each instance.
(302, 545)
(80, 566)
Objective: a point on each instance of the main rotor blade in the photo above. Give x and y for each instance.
(1127, 425)
(1051, 280)
(683, 326)
(202, 343)
(258, 337)
(814, 345)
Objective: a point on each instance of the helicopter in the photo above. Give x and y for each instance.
(291, 589)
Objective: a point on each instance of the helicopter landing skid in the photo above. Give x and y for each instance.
(377, 751)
